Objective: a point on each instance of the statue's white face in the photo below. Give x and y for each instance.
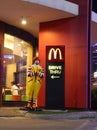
(36, 62)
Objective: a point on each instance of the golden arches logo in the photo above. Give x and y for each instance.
(56, 52)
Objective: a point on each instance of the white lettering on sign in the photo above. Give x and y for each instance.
(55, 67)
(55, 71)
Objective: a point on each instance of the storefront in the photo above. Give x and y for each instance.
(67, 51)
(16, 54)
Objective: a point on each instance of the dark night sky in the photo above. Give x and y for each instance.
(94, 6)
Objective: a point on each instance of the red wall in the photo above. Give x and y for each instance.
(73, 34)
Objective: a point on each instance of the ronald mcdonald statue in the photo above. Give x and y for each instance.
(35, 73)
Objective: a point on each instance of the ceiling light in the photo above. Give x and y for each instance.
(24, 21)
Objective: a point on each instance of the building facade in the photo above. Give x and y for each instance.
(65, 51)
(74, 35)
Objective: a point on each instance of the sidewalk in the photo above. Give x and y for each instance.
(46, 114)
(11, 112)
(69, 115)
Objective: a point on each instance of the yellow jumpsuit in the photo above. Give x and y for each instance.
(34, 81)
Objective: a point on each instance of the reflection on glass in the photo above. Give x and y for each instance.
(17, 56)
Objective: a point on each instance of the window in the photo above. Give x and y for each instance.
(17, 56)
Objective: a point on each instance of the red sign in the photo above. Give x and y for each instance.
(55, 53)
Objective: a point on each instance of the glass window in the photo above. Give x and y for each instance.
(17, 56)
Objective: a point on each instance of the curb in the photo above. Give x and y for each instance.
(68, 115)
(46, 114)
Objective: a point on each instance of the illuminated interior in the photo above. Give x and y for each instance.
(17, 56)
(94, 54)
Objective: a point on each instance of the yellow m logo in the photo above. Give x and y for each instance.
(55, 52)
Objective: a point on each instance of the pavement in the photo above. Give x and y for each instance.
(15, 112)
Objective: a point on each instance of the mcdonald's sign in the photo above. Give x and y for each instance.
(55, 53)
(55, 75)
